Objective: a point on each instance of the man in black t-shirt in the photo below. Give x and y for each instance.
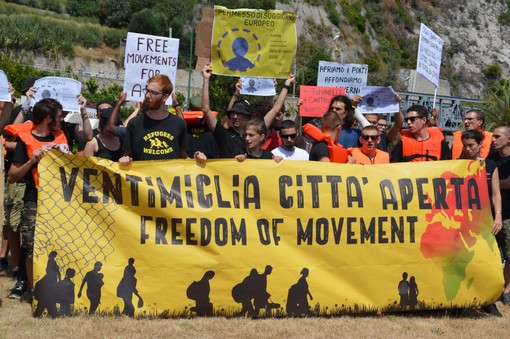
(501, 143)
(155, 134)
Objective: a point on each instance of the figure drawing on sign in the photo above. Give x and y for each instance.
(94, 281)
(297, 300)
(239, 63)
(44, 291)
(251, 86)
(239, 42)
(199, 291)
(403, 291)
(127, 287)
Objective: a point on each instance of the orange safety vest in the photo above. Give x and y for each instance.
(427, 150)
(457, 144)
(337, 153)
(33, 144)
(381, 157)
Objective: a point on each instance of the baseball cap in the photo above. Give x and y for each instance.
(29, 82)
(241, 107)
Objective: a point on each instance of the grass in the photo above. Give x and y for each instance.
(16, 322)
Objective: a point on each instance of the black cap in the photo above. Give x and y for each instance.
(241, 107)
(29, 82)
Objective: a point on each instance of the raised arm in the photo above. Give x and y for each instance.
(280, 101)
(210, 119)
(5, 112)
(111, 125)
(237, 94)
(85, 134)
(394, 130)
(496, 202)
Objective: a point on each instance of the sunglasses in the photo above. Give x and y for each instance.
(371, 137)
(413, 118)
(286, 136)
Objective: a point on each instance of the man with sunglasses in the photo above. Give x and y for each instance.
(155, 134)
(288, 149)
(419, 142)
(368, 153)
(473, 120)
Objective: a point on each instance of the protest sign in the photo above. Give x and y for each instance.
(430, 49)
(253, 42)
(316, 99)
(4, 87)
(378, 99)
(183, 237)
(64, 90)
(147, 56)
(349, 76)
(258, 86)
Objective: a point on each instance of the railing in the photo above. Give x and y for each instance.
(450, 110)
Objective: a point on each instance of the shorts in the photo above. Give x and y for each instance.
(27, 227)
(14, 204)
(503, 239)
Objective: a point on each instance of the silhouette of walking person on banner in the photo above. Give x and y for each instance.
(94, 281)
(403, 290)
(240, 47)
(413, 293)
(243, 293)
(127, 287)
(44, 290)
(261, 296)
(297, 300)
(65, 293)
(199, 291)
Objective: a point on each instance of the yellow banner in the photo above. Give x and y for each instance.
(173, 238)
(253, 42)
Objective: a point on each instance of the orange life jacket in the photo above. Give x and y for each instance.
(427, 150)
(457, 144)
(337, 153)
(381, 157)
(16, 129)
(272, 141)
(195, 117)
(33, 144)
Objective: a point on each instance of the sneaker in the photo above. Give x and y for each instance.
(18, 290)
(492, 310)
(505, 299)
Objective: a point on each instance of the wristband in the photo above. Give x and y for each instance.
(498, 212)
(287, 87)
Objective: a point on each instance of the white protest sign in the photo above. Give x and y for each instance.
(430, 49)
(147, 56)
(258, 86)
(349, 76)
(378, 99)
(4, 87)
(64, 90)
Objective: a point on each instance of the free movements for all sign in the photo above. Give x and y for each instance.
(172, 238)
(147, 56)
(253, 42)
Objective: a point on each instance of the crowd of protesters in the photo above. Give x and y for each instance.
(256, 130)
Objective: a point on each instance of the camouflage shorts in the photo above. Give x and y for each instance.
(503, 238)
(13, 202)
(28, 227)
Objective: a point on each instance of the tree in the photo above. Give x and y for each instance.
(148, 22)
(497, 104)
